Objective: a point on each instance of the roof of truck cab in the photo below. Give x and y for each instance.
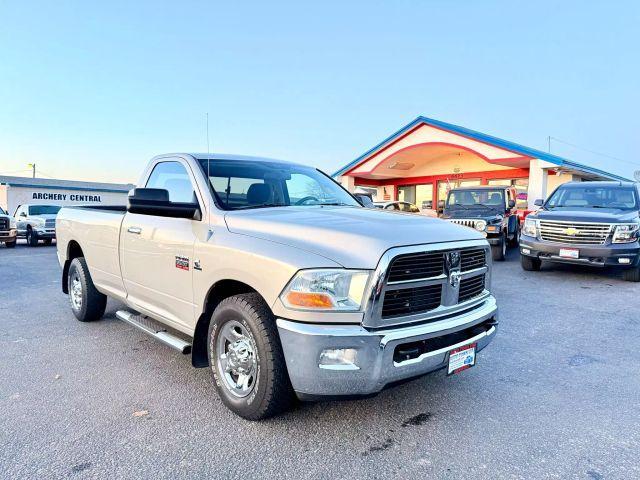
(232, 156)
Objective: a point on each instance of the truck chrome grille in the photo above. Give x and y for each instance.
(424, 282)
(470, 288)
(4, 224)
(575, 233)
(50, 223)
(464, 222)
(411, 300)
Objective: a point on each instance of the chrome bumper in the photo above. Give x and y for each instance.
(375, 366)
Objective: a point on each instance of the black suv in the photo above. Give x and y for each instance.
(586, 223)
(488, 209)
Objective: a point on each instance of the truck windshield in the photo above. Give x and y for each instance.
(616, 197)
(476, 198)
(245, 184)
(44, 209)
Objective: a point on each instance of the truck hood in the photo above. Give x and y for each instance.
(604, 215)
(351, 236)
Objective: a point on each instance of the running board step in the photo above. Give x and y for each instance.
(155, 329)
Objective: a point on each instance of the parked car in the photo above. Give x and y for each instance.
(404, 207)
(487, 209)
(37, 222)
(267, 273)
(8, 230)
(586, 223)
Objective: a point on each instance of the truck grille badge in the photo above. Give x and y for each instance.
(452, 265)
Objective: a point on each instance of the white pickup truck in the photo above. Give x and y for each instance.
(274, 277)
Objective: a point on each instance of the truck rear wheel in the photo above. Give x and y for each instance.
(246, 358)
(631, 274)
(530, 264)
(87, 303)
(498, 252)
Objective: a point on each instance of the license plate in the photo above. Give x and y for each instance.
(569, 253)
(462, 358)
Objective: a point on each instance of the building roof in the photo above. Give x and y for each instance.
(482, 137)
(58, 184)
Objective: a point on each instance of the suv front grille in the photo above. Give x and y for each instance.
(574, 232)
(417, 283)
(464, 222)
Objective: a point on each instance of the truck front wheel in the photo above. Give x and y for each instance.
(499, 251)
(11, 244)
(32, 238)
(87, 303)
(631, 274)
(530, 264)
(246, 358)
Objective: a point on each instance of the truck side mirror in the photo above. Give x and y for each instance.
(539, 202)
(155, 201)
(512, 203)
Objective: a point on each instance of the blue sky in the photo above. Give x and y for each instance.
(92, 90)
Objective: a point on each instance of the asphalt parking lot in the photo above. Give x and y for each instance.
(555, 396)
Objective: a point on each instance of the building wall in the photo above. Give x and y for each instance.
(3, 197)
(19, 195)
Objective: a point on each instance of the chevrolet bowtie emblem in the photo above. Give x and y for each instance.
(571, 231)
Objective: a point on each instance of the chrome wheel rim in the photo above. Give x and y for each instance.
(237, 358)
(75, 291)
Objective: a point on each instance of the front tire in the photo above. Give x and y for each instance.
(11, 244)
(498, 252)
(631, 274)
(246, 359)
(87, 303)
(32, 238)
(530, 264)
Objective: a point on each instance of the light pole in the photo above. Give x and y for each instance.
(32, 166)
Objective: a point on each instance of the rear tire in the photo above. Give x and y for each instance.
(515, 241)
(498, 252)
(11, 244)
(32, 238)
(631, 274)
(243, 344)
(87, 303)
(530, 264)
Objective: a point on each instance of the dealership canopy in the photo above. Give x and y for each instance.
(425, 158)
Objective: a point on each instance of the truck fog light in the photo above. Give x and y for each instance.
(526, 251)
(624, 261)
(339, 359)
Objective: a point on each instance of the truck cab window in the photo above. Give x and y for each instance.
(173, 177)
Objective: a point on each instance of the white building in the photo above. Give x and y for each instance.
(15, 191)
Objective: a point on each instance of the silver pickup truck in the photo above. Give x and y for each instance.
(274, 277)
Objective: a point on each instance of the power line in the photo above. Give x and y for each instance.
(590, 151)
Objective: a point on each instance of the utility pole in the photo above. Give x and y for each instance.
(32, 166)
(549, 141)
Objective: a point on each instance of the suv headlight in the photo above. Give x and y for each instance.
(480, 225)
(530, 228)
(326, 289)
(626, 233)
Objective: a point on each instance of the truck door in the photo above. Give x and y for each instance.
(157, 252)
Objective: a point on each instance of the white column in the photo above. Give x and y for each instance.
(538, 179)
(348, 182)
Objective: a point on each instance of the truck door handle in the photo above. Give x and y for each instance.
(135, 230)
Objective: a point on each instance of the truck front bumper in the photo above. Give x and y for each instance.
(380, 357)
(615, 254)
(9, 235)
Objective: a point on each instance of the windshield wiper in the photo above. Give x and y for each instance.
(334, 204)
(261, 205)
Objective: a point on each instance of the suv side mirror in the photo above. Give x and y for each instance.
(539, 202)
(155, 201)
(23, 214)
(512, 203)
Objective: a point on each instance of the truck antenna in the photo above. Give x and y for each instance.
(208, 179)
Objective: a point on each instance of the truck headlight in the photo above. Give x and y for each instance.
(480, 225)
(530, 228)
(12, 223)
(626, 233)
(326, 289)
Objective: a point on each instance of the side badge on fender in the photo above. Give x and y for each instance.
(197, 265)
(182, 263)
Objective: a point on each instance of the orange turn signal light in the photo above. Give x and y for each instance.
(309, 300)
